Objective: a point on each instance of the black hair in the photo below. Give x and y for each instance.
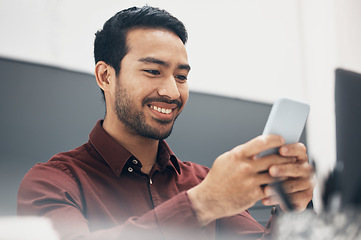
(110, 42)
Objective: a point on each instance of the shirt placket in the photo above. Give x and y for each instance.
(134, 167)
(153, 193)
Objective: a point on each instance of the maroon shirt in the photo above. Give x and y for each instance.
(97, 191)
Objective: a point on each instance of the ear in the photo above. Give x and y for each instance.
(105, 75)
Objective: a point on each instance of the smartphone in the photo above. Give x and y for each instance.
(287, 118)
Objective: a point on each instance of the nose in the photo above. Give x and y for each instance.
(169, 88)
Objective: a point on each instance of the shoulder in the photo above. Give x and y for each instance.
(52, 174)
(47, 187)
(54, 181)
(77, 154)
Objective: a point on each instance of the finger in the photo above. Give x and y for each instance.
(271, 200)
(298, 185)
(264, 179)
(275, 200)
(298, 150)
(298, 169)
(260, 144)
(301, 199)
(264, 163)
(291, 186)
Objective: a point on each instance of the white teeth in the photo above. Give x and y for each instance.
(162, 110)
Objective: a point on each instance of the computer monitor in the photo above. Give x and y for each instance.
(348, 134)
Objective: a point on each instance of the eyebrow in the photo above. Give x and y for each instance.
(163, 63)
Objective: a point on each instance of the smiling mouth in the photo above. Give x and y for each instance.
(161, 110)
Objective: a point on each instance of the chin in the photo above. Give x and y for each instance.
(160, 134)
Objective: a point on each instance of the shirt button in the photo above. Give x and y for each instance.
(135, 161)
(130, 169)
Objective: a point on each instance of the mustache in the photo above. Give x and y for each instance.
(160, 99)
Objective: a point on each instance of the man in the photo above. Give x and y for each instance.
(126, 181)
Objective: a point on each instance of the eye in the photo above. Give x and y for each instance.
(182, 78)
(152, 72)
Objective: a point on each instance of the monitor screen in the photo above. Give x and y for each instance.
(348, 134)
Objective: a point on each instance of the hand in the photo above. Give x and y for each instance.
(236, 179)
(298, 178)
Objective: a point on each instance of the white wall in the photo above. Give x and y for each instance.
(348, 21)
(258, 50)
(319, 62)
(247, 49)
(331, 36)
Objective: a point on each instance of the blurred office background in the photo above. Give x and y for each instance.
(244, 55)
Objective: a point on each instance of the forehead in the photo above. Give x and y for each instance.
(158, 43)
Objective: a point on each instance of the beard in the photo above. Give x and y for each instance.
(134, 119)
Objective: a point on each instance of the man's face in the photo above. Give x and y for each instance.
(152, 86)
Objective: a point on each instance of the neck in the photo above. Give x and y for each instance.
(144, 149)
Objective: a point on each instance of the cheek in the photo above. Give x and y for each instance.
(141, 92)
(184, 93)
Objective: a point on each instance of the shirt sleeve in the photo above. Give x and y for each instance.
(242, 224)
(50, 192)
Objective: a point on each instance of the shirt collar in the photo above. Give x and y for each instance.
(166, 157)
(117, 156)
